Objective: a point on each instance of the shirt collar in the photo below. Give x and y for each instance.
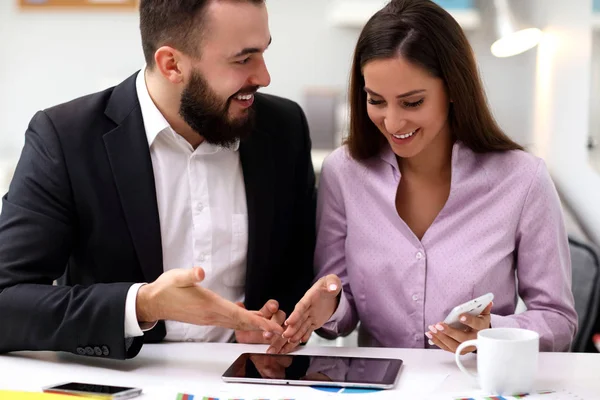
(155, 122)
(388, 156)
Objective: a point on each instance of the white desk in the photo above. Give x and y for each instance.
(163, 370)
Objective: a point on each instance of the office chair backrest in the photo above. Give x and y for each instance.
(586, 290)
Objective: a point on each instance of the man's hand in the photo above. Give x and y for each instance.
(312, 311)
(177, 296)
(269, 311)
(448, 338)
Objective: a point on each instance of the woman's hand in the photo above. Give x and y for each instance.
(448, 338)
(312, 311)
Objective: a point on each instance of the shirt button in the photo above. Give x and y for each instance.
(417, 338)
(189, 340)
(415, 297)
(200, 207)
(201, 258)
(419, 255)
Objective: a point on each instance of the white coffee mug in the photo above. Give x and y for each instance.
(507, 360)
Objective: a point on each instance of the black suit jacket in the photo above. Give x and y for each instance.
(82, 205)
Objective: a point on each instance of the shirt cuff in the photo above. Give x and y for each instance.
(342, 309)
(501, 321)
(133, 328)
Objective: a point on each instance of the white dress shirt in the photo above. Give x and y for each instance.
(203, 217)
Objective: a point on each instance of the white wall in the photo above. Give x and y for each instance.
(51, 58)
(509, 82)
(595, 88)
(562, 106)
(595, 100)
(306, 50)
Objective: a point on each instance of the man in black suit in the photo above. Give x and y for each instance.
(181, 166)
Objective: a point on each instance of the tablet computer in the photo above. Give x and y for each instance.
(305, 370)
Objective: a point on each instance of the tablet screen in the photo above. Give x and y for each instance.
(314, 370)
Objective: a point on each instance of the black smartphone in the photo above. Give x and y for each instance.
(98, 391)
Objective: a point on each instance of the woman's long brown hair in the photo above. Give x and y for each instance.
(425, 35)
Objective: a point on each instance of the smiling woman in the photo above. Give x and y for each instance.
(414, 66)
(429, 204)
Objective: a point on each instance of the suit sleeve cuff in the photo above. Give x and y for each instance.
(133, 328)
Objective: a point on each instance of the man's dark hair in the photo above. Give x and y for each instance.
(173, 23)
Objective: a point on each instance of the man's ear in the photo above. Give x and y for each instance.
(168, 62)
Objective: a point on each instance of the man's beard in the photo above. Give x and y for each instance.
(208, 116)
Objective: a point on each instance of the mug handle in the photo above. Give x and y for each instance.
(457, 357)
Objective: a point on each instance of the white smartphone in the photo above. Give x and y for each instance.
(96, 391)
(472, 307)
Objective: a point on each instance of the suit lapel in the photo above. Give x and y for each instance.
(257, 166)
(129, 157)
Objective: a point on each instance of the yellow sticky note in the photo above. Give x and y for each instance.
(10, 395)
